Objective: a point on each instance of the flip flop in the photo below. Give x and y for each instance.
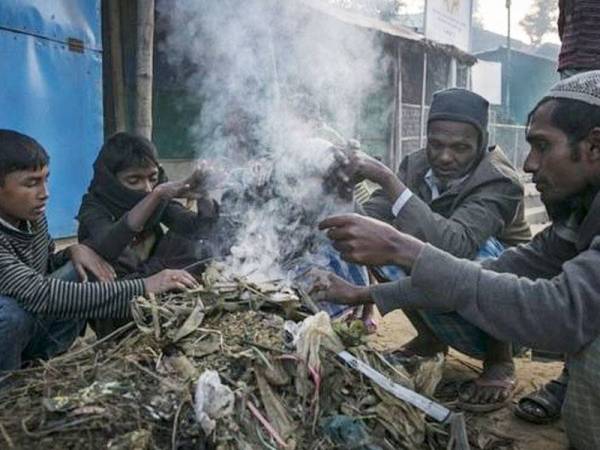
(546, 399)
(487, 407)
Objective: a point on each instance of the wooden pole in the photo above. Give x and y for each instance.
(508, 71)
(423, 101)
(116, 63)
(395, 148)
(143, 68)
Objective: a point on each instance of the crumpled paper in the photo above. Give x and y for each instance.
(212, 400)
(308, 337)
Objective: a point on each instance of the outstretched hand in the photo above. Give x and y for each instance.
(195, 186)
(352, 167)
(86, 260)
(368, 241)
(169, 280)
(327, 286)
(365, 167)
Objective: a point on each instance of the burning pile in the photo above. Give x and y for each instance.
(220, 367)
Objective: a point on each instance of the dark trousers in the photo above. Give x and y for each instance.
(26, 336)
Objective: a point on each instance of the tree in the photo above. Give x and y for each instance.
(540, 20)
(144, 64)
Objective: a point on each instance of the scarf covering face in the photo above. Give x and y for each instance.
(116, 198)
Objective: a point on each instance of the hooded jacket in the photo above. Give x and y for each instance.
(487, 203)
(103, 226)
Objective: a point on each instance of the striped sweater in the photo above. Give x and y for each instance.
(579, 30)
(26, 258)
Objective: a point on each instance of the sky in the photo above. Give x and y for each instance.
(493, 13)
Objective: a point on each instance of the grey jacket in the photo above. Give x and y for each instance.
(489, 203)
(545, 294)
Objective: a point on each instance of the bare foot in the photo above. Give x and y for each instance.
(491, 391)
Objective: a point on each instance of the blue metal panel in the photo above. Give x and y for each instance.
(54, 19)
(55, 96)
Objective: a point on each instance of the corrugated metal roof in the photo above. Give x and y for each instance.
(354, 18)
(503, 49)
(373, 23)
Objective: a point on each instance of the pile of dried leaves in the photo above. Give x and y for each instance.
(138, 390)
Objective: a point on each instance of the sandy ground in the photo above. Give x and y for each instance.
(395, 329)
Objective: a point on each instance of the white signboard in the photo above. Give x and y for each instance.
(449, 22)
(486, 80)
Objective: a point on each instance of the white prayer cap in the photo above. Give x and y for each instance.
(584, 87)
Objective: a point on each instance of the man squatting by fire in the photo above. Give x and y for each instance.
(543, 294)
(462, 196)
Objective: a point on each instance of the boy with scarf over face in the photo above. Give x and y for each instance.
(129, 200)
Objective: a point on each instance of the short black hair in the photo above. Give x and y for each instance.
(20, 152)
(125, 150)
(573, 117)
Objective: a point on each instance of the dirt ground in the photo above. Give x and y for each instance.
(395, 329)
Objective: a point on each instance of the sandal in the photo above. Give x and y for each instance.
(506, 384)
(546, 401)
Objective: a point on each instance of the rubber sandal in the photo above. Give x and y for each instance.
(549, 400)
(487, 407)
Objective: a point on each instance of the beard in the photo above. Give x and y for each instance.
(560, 210)
(563, 209)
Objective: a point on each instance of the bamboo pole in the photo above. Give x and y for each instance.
(395, 148)
(116, 64)
(144, 66)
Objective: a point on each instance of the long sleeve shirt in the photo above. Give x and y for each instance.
(111, 237)
(544, 294)
(26, 258)
(488, 203)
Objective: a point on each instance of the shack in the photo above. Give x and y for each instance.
(412, 66)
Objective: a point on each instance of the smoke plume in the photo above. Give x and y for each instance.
(273, 79)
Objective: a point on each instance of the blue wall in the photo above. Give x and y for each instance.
(54, 94)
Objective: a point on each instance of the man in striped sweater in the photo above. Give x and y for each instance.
(43, 307)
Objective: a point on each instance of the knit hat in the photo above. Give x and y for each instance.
(460, 105)
(584, 87)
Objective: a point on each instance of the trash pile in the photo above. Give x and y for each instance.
(231, 365)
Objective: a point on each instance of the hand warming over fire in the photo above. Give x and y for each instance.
(364, 240)
(352, 166)
(364, 167)
(338, 178)
(327, 286)
(195, 186)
